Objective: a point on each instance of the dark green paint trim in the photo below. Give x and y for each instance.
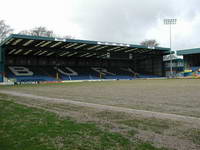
(188, 51)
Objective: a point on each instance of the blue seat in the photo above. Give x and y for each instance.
(186, 74)
(195, 68)
(148, 76)
(49, 73)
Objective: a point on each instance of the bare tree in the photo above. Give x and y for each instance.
(150, 43)
(5, 30)
(43, 31)
(38, 31)
(25, 32)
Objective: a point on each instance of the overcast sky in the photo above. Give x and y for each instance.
(124, 21)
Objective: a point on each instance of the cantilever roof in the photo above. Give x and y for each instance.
(17, 44)
(189, 51)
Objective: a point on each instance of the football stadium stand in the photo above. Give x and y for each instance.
(191, 62)
(40, 59)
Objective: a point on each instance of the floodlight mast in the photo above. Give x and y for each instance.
(170, 22)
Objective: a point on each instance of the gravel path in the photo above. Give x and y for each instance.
(143, 113)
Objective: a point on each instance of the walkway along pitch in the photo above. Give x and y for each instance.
(144, 113)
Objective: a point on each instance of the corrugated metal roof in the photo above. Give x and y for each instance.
(17, 44)
(188, 51)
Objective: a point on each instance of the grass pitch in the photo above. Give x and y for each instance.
(129, 131)
(30, 129)
(169, 96)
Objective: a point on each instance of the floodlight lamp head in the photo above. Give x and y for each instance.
(170, 21)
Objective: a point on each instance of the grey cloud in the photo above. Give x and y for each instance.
(127, 20)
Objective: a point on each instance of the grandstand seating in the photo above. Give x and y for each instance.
(195, 68)
(193, 71)
(147, 76)
(120, 77)
(52, 73)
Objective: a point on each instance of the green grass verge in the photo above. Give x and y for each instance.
(194, 135)
(28, 128)
(150, 124)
